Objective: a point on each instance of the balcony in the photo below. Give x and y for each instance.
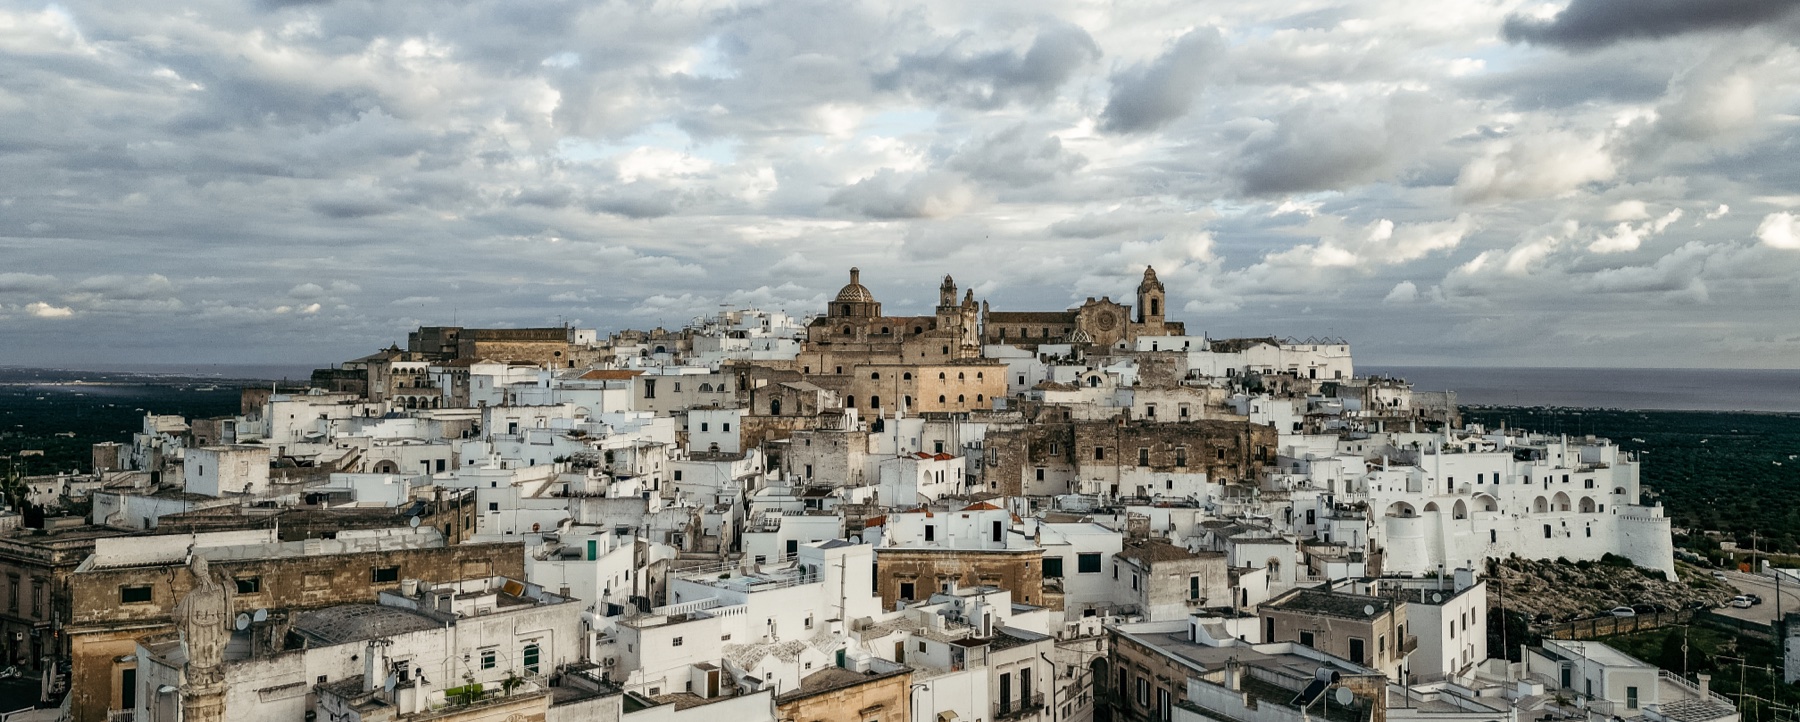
(120, 715)
(1409, 646)
(1007, 709)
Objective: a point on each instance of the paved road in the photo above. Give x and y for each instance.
(1765, 587)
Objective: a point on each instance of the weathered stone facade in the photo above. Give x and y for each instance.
(924, 571)
(104, 628)
(840, 695)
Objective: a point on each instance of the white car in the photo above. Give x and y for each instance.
(1741, 602)
(1718, 575)
(1623, 612)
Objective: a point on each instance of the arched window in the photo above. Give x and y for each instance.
(846, 330)
(978, 376)
(884, 330)
(844, 309)
(940, 376)
(906, 376)
(959, 398)
(874, 402)
(978, 398)
(875, 375)
(960, 377)
(774, 408)
(917, 329)
(849, 402)
(530, 658)
(940, 399)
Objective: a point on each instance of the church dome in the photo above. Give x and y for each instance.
(855, 292)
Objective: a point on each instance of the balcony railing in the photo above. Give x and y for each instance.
(1015, 709)
(120, 715)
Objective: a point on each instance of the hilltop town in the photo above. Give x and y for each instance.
(977, 515)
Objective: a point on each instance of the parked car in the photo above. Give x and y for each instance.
(1741, 602)
(1623, 612)
(1645, 608)
(1718, 574)
(1754, 598)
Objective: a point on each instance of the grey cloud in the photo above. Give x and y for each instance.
(1148, 96)
(985, 79)
(1589, 24)
(1325, 146)
(14, 282)
(1016, 157)
(889, 195)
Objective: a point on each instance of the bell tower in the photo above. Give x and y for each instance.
(1150, 301)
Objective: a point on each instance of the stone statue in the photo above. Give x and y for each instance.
(204, 618)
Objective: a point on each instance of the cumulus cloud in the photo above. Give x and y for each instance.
(1780, 230)
(1552, 163)
(891, 195)
(366, 167)
(45, 310)
(1589, 24)
(1149, 95)
(1403, 292)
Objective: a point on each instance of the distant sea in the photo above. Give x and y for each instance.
(1766, 390)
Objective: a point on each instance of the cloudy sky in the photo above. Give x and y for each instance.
(1578, 183)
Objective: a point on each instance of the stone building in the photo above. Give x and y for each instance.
(836, 694)
(128, 589)
(1366, 630)
(37, 564)
(1104, 323)
(930, 550)
(1167, 582)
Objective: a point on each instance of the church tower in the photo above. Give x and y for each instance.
(1150, 302)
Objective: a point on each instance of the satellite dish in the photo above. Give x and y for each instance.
(1368, 610)
(1343, 696)
(243, 622)
(1436, 598)
(389, 684)
(261, 615)
(412, 521)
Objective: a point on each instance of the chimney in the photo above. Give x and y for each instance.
(1705, 684)
(372, 667)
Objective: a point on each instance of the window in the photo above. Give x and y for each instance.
(1143, 691)
(1306, 638)
(931, 532)
(531, 658)
(906, 590)
(1631, 698)
(1053, 567)
(1493, 536)
(1181, 456)
(489, 658)
(249, 585)
(1194, 587)
(1356, 650)
(493, 506)
(676, 642)
(1040, 473)
(1087, 562)
(385, 574)
(1134, 582)
(1143, 456)
(703, 425)
(1150, 410)
(678, 475)
(1099, 453)
(37, 597)
(649, 388)
(134, 595)
(1546, 531)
